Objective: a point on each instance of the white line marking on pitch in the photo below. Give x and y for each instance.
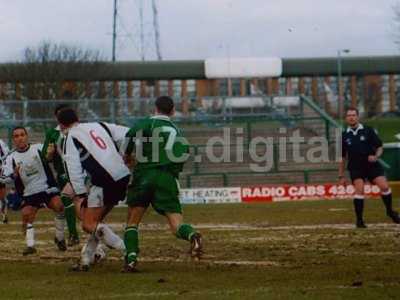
(154, 226)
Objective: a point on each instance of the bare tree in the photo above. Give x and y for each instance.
(45, 68)
(49, 52)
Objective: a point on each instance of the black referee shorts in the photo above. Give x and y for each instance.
(368, 172)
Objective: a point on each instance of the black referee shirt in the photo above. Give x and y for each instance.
(358, 144)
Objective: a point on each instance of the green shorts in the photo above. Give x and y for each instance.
(156, 187)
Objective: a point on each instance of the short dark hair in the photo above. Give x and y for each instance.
(165, 105)
(67, 116)
(60, 107)
(352, 108)
(19, 128)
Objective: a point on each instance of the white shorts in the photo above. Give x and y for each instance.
(108, 196)
(95, 197)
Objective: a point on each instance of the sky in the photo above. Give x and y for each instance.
(198, 29)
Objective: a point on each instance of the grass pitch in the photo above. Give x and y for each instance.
(297, 250)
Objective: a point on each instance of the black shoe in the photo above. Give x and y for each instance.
(394, 215)
(5, 220)
(196, 246)
(130, 268)
(60, 244)
(78, 267)
(28, 251)
(361, 224)
(73, 241)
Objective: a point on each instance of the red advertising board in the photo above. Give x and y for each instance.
(273, 193)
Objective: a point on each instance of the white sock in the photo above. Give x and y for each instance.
(109, 238)
(30, 235)
(100, 251)
(59, 222)
(88, 250)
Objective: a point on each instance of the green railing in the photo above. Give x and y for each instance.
(226, 175)
(329, 121)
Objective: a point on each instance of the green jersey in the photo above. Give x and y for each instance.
(158, 143)
(54, 136)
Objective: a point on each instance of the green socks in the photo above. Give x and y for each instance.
(131, 240)
(69, 211)
(185, 232)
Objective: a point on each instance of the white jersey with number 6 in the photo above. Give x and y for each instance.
(93, 147)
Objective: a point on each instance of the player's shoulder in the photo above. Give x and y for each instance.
(161, 120)
(52, 134)
(36, 146)
(367, 127)
(52, 131)
(370, 129)
(143, 122)
(82, 127)
(11, 153)
(139, 124)
(112, 126)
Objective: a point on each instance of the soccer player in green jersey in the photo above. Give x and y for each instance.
(52, 150)
(160, 153)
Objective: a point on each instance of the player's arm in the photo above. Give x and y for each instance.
(118, 133)
(127, 149)
(133, 137)
(9, 171)
(379, 152)
(376, 142)
(73, 167)
(6, 150)
(342, 164)
(128, 145)
(342, 168)
(48, 149)
(11, 175)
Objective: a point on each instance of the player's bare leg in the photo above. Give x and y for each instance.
(186, 232)
(3, 205)
(131, 237)
(59, 221)
(98, 231)
(28, 217)
(90, 256)
(359, 202)
(4, 210)
(103, 231)
(386, 194)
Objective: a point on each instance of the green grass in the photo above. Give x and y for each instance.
(291, 250)
(387, 128)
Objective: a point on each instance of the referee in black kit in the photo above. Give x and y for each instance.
(361, 148)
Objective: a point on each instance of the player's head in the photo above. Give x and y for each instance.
(20, 137)
(67, 117)
(165, 106)
(59, 108)
(352, 116)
